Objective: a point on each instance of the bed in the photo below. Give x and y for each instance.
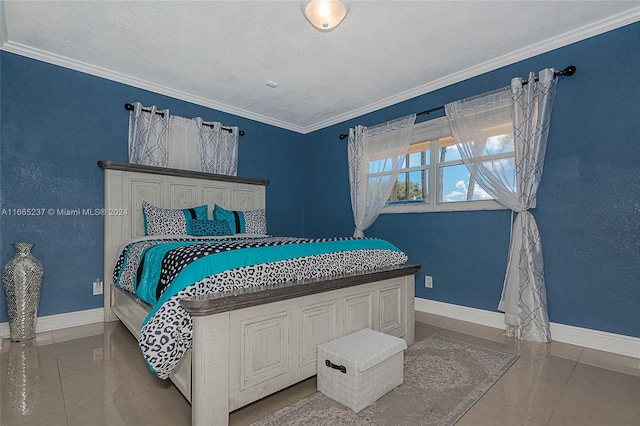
(247, 343)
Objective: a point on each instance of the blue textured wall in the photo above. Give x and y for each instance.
(588, 208)
(56, 125)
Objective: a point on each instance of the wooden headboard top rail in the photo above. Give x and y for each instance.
(140, 168)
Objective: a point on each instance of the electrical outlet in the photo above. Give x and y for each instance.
(428, 281)
(97, 287)
(97, 355)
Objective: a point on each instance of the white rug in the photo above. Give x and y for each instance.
(443, 378)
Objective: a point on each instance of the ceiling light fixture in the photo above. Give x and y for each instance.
(324, 15)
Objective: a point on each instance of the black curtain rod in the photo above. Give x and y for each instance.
(568, 71)
(129, 107)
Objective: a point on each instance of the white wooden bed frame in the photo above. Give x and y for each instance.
(259, 340)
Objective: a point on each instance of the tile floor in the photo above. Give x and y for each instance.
(95, 375)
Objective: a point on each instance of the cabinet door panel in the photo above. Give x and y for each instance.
(318, 327)
(182, 196)
(390, 311)
(358, 312)
(265, 349)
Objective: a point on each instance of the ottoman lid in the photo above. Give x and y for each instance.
(365, 348)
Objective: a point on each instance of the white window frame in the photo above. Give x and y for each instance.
(432, 130)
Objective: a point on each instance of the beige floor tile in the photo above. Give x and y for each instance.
(99, 387)
(261, 409)
(542, 366)
(558, 349)
(28, 401)
(530, 390)
(101, 378)
(72, 333)
(523, 348)
(482, 414)
(107, 415)
(611, 361)
(41, 339)
(485, 332)
(423, 330)
(95, 352)
(598, 396)
(120, 344)
(44, 338)
(566, 350)
(245, 416)
(77, 356)
(61, 422)
(160, 407)
(30, 359)
(473, 339)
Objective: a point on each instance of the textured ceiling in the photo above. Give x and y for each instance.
(221, 54)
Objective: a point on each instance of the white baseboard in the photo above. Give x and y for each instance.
(600, 340)
(594, 339)
(60, 321)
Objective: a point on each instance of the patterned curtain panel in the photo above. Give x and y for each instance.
(375, 155)
(523, 299)
(218, 148)
(157, 139)
(148, 136)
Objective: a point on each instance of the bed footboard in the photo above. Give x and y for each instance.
(262, 340)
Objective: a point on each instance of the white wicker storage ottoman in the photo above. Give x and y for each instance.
(357, 369)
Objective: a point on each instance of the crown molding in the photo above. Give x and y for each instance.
(579, 34)
(65, 62)
(4, 34)
(590, 30)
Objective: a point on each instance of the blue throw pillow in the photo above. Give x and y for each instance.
(159, 221)
(204, 228)
(240, 222)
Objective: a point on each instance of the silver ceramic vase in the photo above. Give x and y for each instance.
(22, 279)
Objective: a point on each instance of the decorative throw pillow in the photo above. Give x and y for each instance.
(240, 222)
(159, 221)
(204, 228)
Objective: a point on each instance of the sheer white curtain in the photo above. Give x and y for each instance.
(218, 147)
(523, 299)
(148, 136)
(181, 143)
(375, 155)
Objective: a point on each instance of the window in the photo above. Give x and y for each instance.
(433, 176)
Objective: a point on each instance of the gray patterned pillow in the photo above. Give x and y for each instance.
(159, 221)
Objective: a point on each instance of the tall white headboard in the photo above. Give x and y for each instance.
(127, 185)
